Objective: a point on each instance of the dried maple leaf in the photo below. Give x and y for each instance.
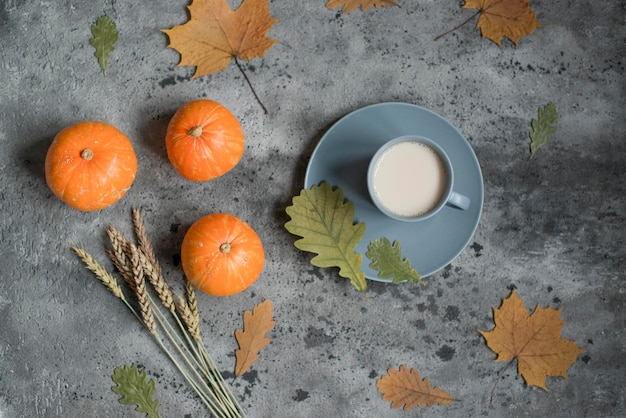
(252, 338)
(533, 339)
(500, 18)
(215, 34)
(350, 5)
(404, 388)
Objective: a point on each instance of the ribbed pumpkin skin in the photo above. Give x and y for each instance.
(95, 183)
(218, 148)
(210, 269)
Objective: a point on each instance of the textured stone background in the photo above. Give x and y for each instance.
(553, 227)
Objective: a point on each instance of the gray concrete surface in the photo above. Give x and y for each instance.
(553, 226)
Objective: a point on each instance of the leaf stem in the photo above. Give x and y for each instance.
(457, 27)
(250, 84)
(504, 369)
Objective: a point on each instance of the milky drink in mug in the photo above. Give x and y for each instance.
(410, 178)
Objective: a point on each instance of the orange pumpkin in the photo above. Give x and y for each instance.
(204, 140)
(222, 255)
(90, 165)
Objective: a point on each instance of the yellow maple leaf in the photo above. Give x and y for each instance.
(499, 18)
(406, 389)
(533, 339)
(252, 338)
(350, 5)
(215, 34)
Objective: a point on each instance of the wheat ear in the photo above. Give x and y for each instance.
(143, 240)
(188, 318)
(150, 263)
(141, 291)
(101, 273)
(191, 300)
(119, 255)
(158, 282)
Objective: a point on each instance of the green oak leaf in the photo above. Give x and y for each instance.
(543, 127)
(387, 260)
(325, 221)
(104, 38)
(135, 389)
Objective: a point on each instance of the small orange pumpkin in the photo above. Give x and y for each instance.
(222, 255)
(90, 165)
(204, 140)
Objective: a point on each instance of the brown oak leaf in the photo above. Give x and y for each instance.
(533, 339)
(499, 18)
(350, 5)
(252, 338)
(215, 34)
(406, 388)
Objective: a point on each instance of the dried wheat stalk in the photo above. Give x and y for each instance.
(193, 326)
(143, 240)
(119, 255)
(101, 273)
(158, 282)
(141, 291)
(150, 263)
(138, 262)
(192, 301)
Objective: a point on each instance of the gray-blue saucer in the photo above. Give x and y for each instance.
(342, 156)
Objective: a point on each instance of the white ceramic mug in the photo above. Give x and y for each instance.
(410, 178)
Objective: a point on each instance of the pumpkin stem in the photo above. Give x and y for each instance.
(86, 154)
(225, 248)
(196, 131)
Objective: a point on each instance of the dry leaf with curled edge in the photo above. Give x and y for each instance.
(350, 5)
(406, 389)
(504, 18)
(252, 338)
(533, 339)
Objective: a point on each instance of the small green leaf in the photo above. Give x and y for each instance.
(387, 260)
(543, 127)
(326, 224)
(104, 38)
(135, 389)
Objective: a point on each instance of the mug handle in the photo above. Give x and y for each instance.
(458, 201)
